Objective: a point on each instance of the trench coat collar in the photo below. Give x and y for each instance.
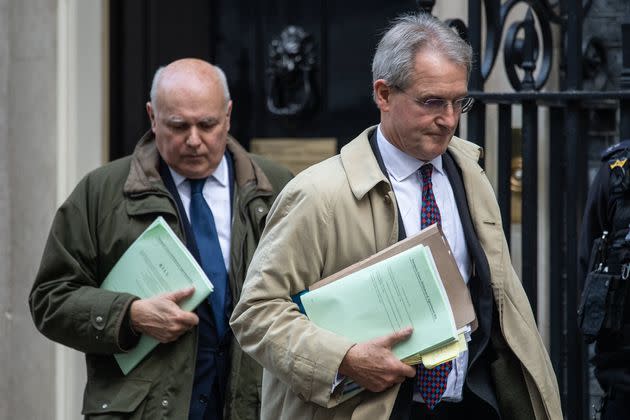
(461, 149)
(360, 165)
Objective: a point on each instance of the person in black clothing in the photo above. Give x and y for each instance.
(604, 265)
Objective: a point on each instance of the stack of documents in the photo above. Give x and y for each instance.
(403, 290)
(414, 283)
(157, 262)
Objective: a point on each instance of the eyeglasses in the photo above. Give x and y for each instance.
(439, 105)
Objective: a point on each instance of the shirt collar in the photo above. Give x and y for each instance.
(220, 174)
(399, 164)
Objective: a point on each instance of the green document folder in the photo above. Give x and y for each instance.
(157, 262)
(400, 291)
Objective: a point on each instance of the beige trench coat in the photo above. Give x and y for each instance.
(330, 216)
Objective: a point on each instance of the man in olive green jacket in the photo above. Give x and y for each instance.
(357, 203)
(109, 209)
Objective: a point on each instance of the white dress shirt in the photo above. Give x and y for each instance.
(406, 181)
(216, 191)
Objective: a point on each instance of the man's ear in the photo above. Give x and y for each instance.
(382, 92)
(151, 114)
(228, 114)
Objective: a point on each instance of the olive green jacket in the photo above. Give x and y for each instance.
(105, 213)
(339, 212)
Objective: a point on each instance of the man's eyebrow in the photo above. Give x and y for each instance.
(174, 119)
(208, 120)
(179, 120)
(432, 95)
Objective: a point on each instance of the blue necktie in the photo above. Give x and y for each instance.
(431, 383)
(207, 239)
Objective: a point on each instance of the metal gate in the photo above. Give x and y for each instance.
(527, 46)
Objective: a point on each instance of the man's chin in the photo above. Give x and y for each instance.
(441, 146)
(431, 153)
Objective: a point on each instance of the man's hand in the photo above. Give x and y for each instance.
(373, 365)
(161, 317)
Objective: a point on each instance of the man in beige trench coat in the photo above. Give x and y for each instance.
(374, 193)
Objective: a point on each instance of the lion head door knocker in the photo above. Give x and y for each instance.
(290, 73)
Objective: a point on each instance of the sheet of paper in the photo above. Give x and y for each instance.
(442, 354)
(400, 291)
(456, 289)
(157, 262)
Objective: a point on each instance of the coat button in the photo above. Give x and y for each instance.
(104, 406)
(164, 403)
(387, 199)
(259, 209)
(99, 319)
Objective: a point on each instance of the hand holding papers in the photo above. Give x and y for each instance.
(458, 293)
(373, 365)
(157, 262)
(401, 291)
(444, 266)
(161, 317)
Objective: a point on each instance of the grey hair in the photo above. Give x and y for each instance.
(158, 76)
(224, 84)
(396, 51)
(154, 85)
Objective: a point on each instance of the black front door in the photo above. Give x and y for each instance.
(295, 68)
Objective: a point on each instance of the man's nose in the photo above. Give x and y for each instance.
(193, 139)
(449, 117)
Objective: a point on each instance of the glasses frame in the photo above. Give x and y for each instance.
(438, 105)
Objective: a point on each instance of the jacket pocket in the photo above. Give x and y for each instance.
(592, 310)
(114, 398)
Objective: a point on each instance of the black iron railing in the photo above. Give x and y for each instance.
(528, 61)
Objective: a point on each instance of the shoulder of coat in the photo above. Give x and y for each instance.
(469, 149)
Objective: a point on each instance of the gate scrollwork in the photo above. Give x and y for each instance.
(528, 43)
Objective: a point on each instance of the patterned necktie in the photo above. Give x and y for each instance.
(207, 239)
(431, 383)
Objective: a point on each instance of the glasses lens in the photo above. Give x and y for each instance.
(435, 104)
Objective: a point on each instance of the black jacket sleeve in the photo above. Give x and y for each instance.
(596, 218)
